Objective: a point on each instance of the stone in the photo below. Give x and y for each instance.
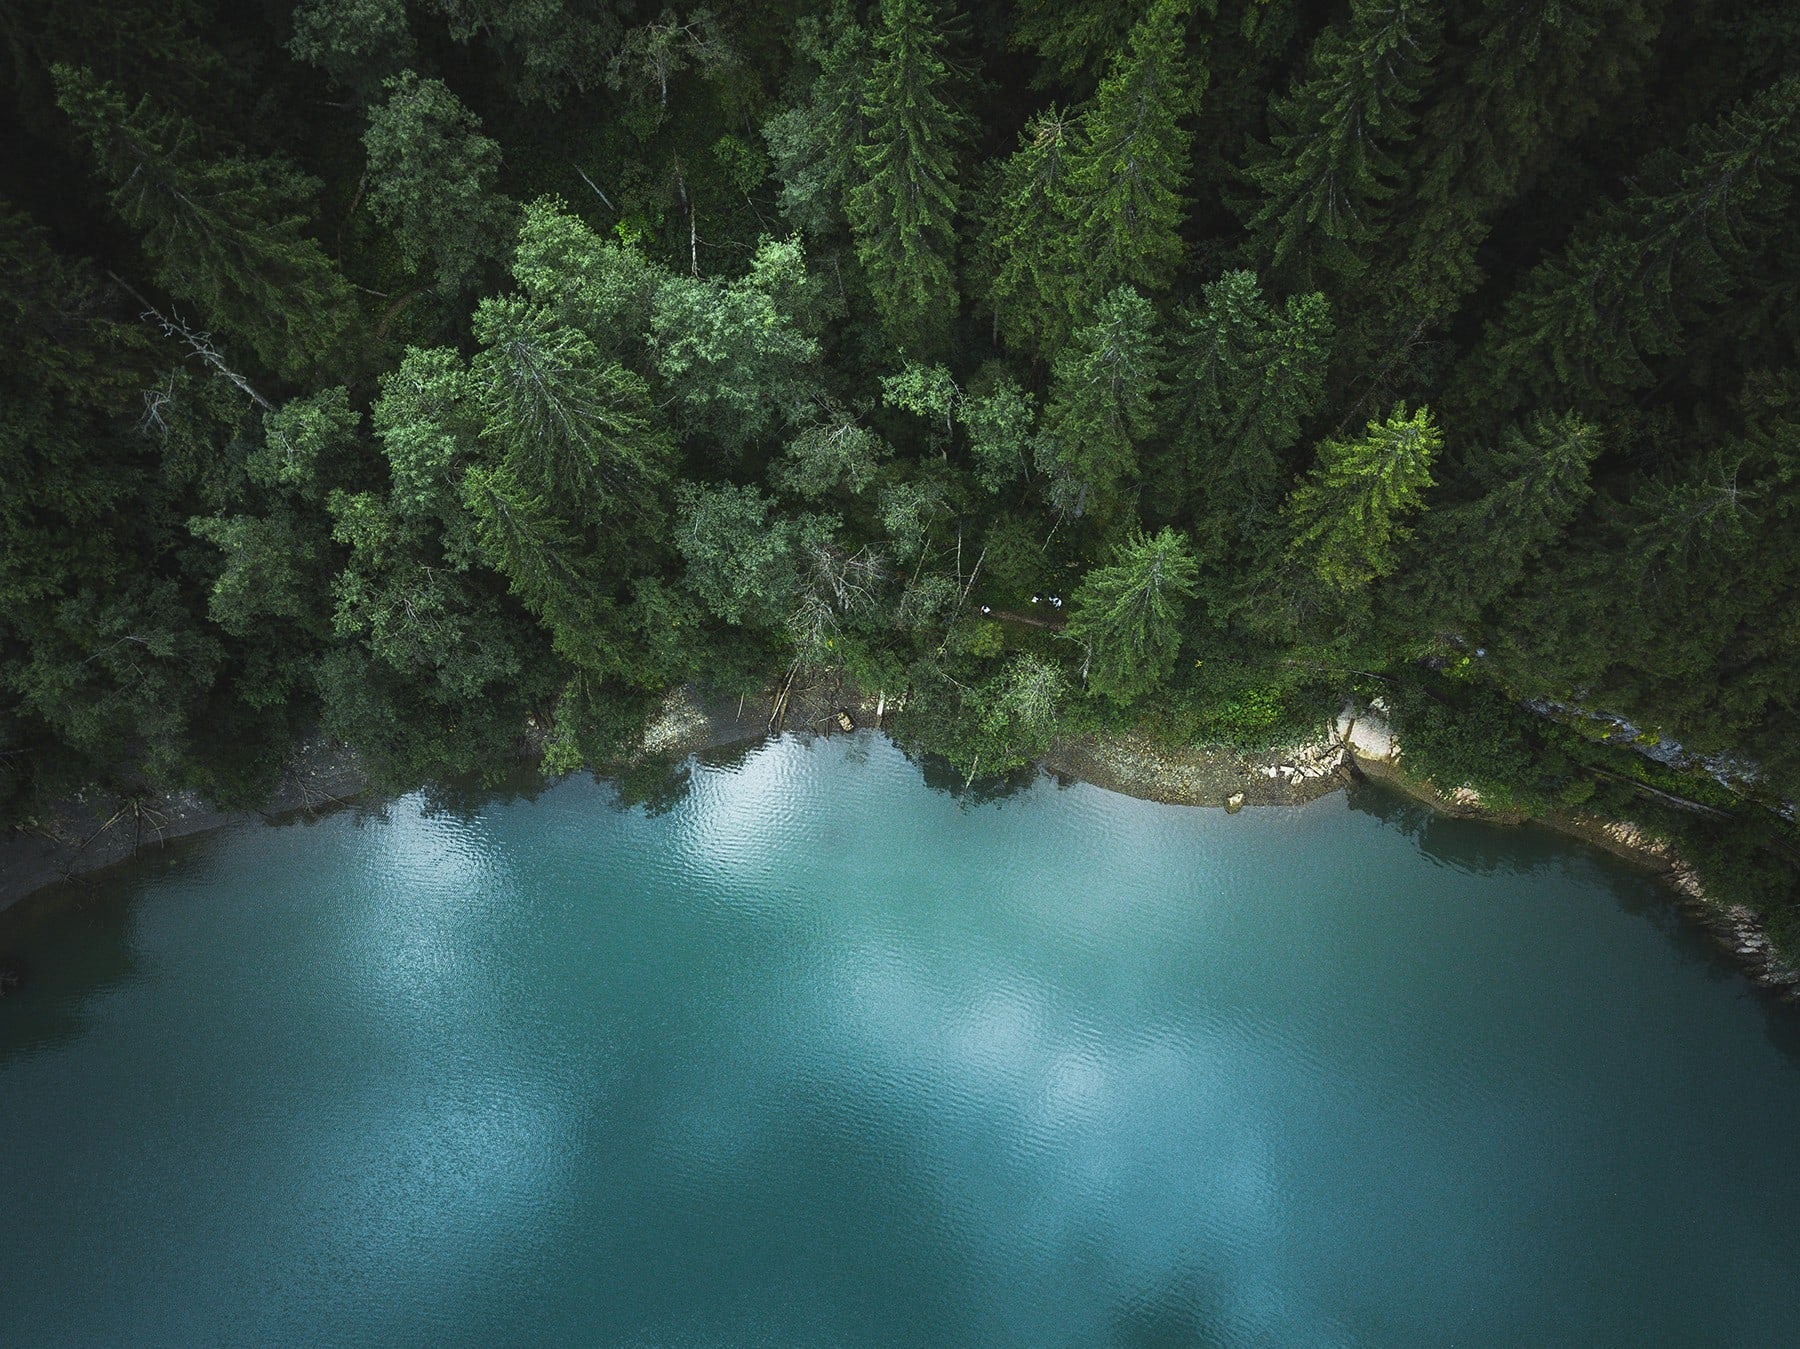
(1234, 803)
(1370, 737)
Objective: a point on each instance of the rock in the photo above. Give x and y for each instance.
(1370, 737)
(1234, 803)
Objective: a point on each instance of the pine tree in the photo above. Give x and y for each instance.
(1102, 403)
(902, 211)
(1127, 616)
(1126, 176)
(1026, 242)
(1245, 378)
(224, 234)
(1585, 324)
(1347, 515)
(1330, 168)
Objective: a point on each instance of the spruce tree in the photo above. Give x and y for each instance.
(1584, 326)
(1127, 616)
(572, 425)
(903, 208)
(547, 564)
(1127, 174)
(1469, 555)
(1245, 378)
(1075, 38)
(1092, 202)
(814, 144)
(1026, 240)
(226, 234)
(1102, 403)
(1325, 178)
(1524, 78)
(1346, 517)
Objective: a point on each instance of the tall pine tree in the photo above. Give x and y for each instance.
(1325, 178)
(224, 233)
(1346, 517)
(902, 211)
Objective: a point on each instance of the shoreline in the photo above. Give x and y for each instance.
(91, 837)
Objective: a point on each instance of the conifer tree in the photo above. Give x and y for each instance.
(225, 234)
(1075, 38)
(1127, 615)
(902, 209)
(814, 144)
(1469, 555)
(1585, 324)
(1246, 376)
(1025, 243)
(1346, 517)
(1330, 168)
(544, 50)
(1127, 174)
(1529, 76)
(546, 563)
(573, 425)
(1102, 403)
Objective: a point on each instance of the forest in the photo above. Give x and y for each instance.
(457, 376)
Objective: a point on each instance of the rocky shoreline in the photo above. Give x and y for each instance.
(96, 831)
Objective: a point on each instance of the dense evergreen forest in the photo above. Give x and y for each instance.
(457, 374)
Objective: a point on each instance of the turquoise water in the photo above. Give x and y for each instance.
(814, 1054)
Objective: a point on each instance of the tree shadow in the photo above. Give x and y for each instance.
(69, 944)
(940, 775)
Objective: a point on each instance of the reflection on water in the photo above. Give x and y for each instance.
(778, 1047)
(1467, 845)
(939, 774)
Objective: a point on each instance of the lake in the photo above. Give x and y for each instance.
(803, 1051)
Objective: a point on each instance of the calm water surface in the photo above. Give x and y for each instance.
(818, 1055)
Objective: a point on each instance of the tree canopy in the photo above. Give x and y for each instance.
(455, 375)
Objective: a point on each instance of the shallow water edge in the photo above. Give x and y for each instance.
(95, 836)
